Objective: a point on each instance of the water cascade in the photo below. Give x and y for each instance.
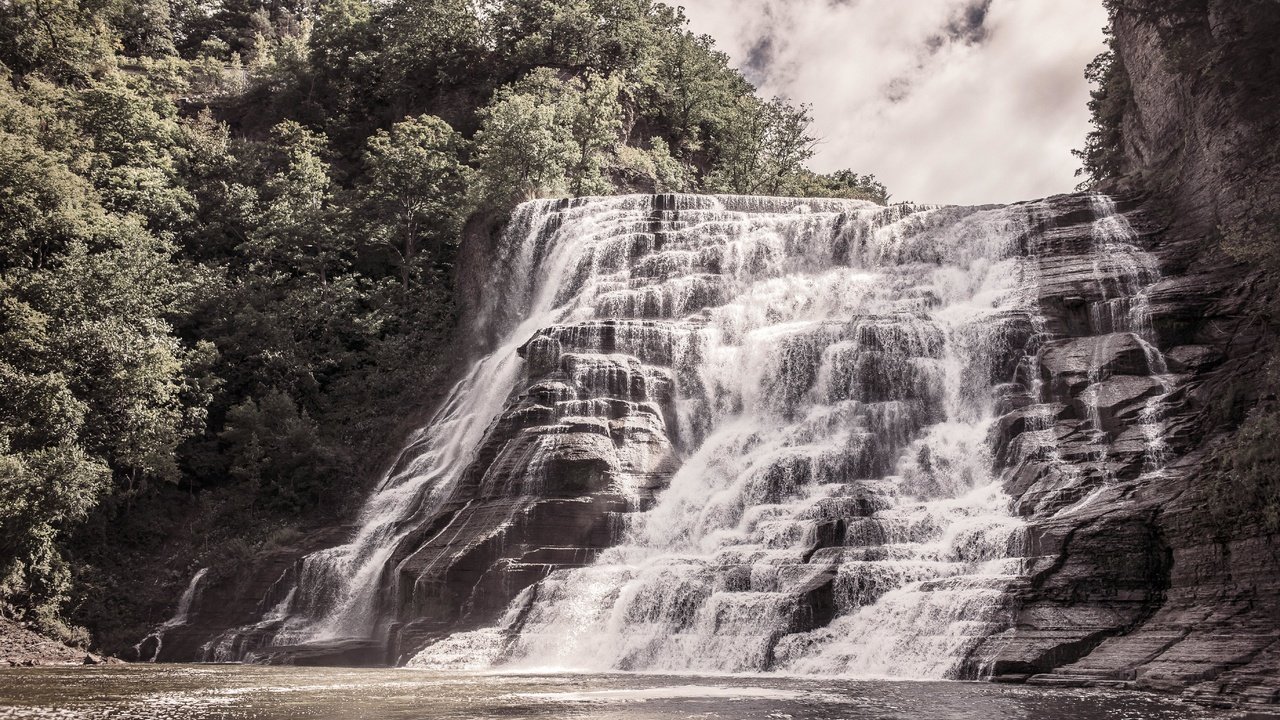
(835, 370)
(151, 645)
(721, 434)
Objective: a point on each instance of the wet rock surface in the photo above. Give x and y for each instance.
(1196, 605)
(1133, 581)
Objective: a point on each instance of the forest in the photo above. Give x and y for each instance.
(226, 278)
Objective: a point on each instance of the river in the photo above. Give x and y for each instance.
(244, 692)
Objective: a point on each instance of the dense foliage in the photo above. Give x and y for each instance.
(227, 233)
(1102, 157)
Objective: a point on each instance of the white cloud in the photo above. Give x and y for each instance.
(954, 101)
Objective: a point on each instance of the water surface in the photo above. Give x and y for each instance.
(190, 692)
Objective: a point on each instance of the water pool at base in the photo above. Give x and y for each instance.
(242, 692)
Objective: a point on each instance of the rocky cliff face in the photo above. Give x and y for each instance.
(1146, 583)
(1200, 128)
(1133, 579)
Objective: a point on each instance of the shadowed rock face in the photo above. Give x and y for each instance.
(1131, 580)
(1145, 584)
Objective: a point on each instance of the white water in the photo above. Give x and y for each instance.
(179, 617)
(337, 594)
(834, 367)
(1126, 307)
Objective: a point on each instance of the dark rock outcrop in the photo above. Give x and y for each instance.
(1131, 580)
(1144, 584)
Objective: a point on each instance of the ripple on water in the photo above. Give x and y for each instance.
(230, 692)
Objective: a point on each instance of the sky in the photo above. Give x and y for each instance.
(946, 101)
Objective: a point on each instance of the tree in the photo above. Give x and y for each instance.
(44, 493)
(345, 61)
(595, 119)
(44, 207)
(67, 40)
(414, 190)
(430, 47)
(278, 450)
(299, 227)
(764, 148)
(131, 162)
(844, 184)
(687, 88)
(522, 149)
(1102, 157)
(545, 136)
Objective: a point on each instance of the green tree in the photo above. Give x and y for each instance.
(414, 191)
(44, 493)
(346, 61)
(133, 138)
(688, 88)
(300, 225)
(843, 184)
(1102, 156)
(44, 207)
(595, 121)
(522, 151)
(67, 40)
(430, 47)
(764, 148)
(279, 452)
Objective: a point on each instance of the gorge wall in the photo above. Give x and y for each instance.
(756, 434)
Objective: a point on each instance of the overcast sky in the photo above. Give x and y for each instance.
(946, 101)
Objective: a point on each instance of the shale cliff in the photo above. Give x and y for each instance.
(1153, 581)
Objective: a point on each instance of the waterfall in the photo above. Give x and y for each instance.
(149, 647)
(337, 590)
(835, 366)
(780, 411)
(1124, 307)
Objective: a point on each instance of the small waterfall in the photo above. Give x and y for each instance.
(155, 640)
(1128, 310)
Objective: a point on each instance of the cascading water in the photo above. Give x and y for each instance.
(785, 411)
(150, 646)
(1125, 288)
(834, 368)
(336, 591)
